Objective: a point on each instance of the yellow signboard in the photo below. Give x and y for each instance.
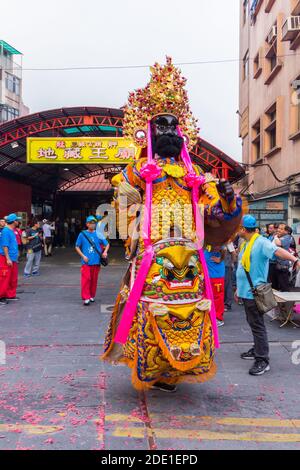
(87, 150)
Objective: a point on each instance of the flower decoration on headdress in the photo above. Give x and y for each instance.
(165, 93)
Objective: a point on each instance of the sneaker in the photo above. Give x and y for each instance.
(13, 298)
(260, 367)
(220, 323)
(248, 355)
(3, 301)
(36, 273)
(26, 275)
(227, 308)
(86, 303)
(168, 388)
(92, 299)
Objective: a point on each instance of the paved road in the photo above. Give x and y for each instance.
(56, 394)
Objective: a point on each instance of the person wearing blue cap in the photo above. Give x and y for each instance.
(254, 257)
(89, 247)
(8, 260)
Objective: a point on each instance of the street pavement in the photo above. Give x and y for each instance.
(55, 393)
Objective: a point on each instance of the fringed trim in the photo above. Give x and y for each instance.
(136, 382)
(145, 386)
(209, 375)
(178, 365)
(113, 327)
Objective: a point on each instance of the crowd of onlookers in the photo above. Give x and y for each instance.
(37, 238)
(222, 265)
(255, 259)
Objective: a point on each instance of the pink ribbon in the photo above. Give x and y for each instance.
(134, 297)
(149, 172)
(194, 181)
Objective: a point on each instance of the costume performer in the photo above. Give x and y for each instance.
(164, 325)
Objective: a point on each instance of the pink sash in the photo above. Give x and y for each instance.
(150, 172)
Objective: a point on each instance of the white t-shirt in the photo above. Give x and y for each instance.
(230, 247)
(47, 230)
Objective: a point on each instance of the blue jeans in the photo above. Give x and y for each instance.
(33, 262)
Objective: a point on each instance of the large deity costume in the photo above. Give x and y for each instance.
(163, 325)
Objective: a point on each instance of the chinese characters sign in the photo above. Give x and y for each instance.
(93, 150)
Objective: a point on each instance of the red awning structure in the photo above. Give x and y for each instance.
(87, 122)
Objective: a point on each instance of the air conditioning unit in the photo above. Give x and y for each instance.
(291, 28)
(272, 36)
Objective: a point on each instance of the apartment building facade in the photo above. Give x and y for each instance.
(11, 102)
(269, 108)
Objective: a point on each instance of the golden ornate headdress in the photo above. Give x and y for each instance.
(164, 93)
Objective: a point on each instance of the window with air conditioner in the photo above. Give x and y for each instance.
(295, 109)
(273, 51)
(291, 28)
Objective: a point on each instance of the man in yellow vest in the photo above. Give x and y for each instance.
(254, 257)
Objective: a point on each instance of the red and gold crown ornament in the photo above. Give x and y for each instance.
(165, 93)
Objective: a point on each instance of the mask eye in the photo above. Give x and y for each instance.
(192, 262)
(167, 264)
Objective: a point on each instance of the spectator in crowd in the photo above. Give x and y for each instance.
(34, 250)
(59, 232)
(293, 246)
(47, 237)
(89, 247)
(18, 233)
(9, 260)
(216, 267)
(229, 260)
(72, 231)
(2, 225)
(279, 274)
(66, 227)
(254, 258)
(77, 227)
(271, 231)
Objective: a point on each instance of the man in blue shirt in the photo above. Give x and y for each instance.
(8, 260)
(280, 272)
(89, 247)
(261, 252)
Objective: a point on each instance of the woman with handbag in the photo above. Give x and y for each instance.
(89, 247)
(253, 289)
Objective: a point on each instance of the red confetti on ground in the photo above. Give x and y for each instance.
(31, 417)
